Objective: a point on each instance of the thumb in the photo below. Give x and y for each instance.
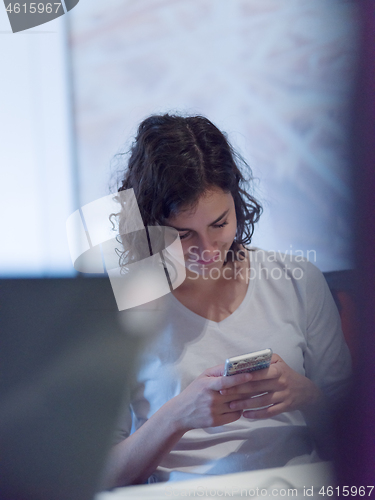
(215, 371)
(275, 358)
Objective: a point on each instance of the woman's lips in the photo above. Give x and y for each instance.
(193, 259)
(205, 262)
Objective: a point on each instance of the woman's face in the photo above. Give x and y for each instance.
(206, 231)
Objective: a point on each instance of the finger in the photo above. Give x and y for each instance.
(221, 383)
(272, 372)
(253, 387)
(225, 408)
(215, 371)
(227, 418)
(269, 412)
(275, 358)
(256, 401)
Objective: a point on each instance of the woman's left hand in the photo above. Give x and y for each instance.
(286, 390)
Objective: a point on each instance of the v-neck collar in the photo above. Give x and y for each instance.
(235, 313)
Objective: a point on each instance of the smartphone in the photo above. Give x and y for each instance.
(248, 362)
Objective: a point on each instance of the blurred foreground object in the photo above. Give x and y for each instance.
(356, 427)
(64, 360)
(297, 481)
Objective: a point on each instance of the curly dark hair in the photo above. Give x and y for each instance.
(175, 159)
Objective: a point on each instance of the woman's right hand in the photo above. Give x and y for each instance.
(201, 405)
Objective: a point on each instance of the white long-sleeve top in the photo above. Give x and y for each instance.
(288, 307)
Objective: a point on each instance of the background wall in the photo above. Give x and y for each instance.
(276, 75)
(37, 180)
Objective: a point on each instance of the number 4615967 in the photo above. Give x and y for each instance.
(346, 491)
(34, 8)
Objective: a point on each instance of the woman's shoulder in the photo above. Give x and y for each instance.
(295, 266)
(257, 254)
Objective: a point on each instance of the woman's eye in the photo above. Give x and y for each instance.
(184, 235)
(221, 225)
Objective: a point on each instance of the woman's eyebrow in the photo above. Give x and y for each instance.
(219, 218)
(212, 223)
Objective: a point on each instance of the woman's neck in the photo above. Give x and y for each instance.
(213, 278)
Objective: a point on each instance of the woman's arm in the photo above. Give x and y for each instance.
(200, 405)
(135, 458)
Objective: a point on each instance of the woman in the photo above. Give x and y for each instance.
(189, 419)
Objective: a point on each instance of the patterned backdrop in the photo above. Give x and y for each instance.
(276, 75)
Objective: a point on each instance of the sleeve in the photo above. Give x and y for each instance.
(327, 357)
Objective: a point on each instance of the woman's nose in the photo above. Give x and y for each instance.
(206, 248)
